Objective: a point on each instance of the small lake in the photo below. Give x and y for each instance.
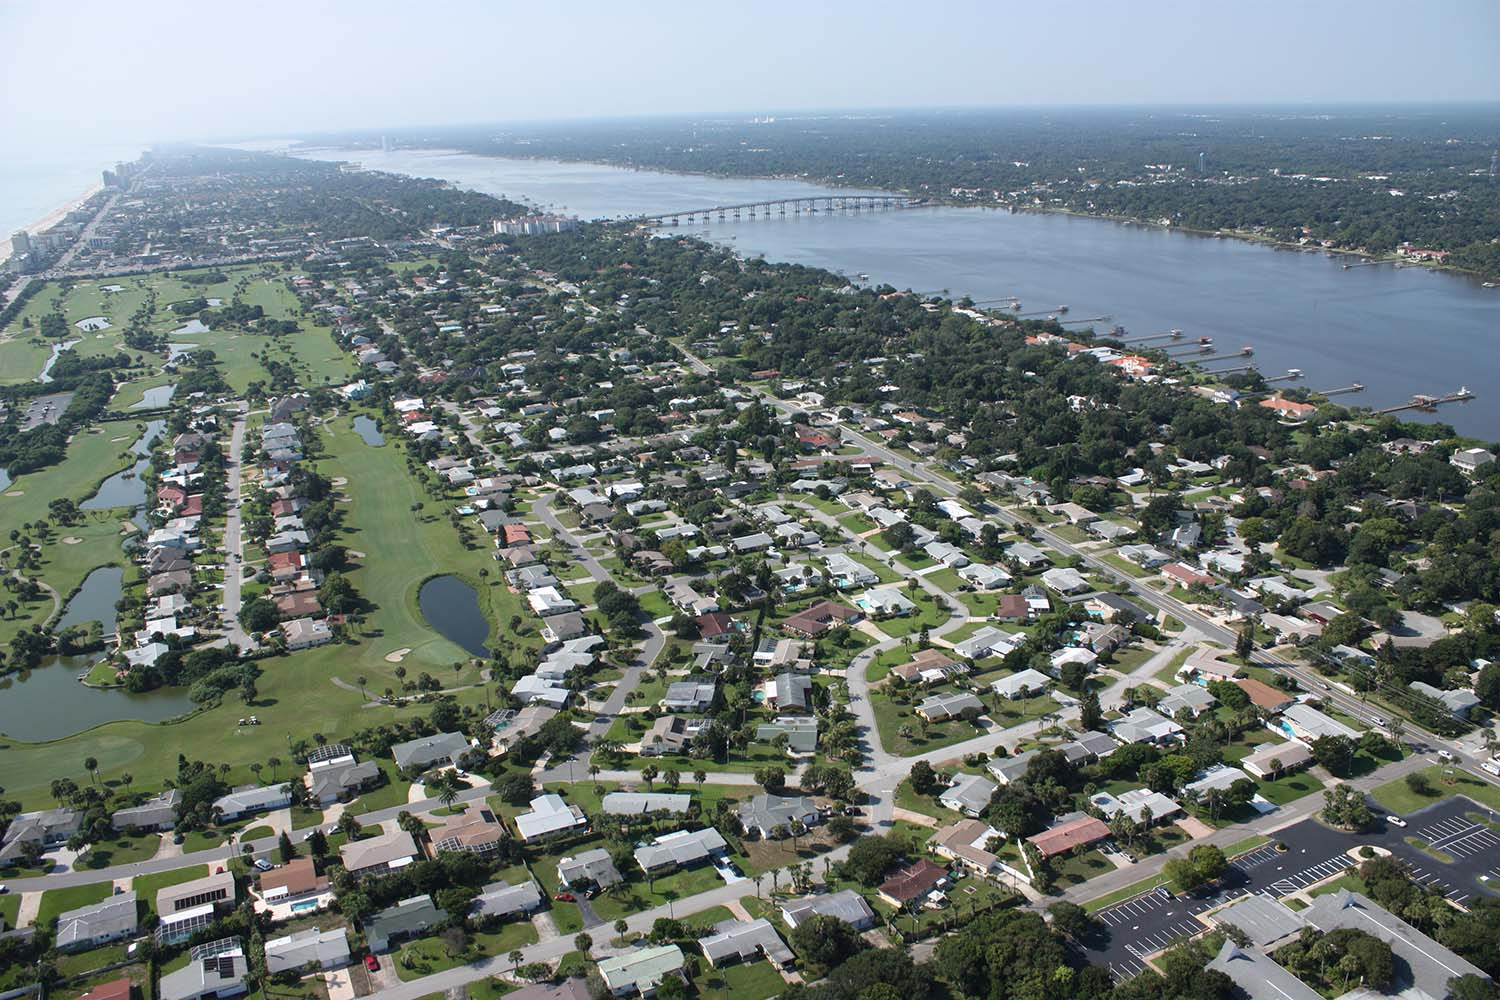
(155, 398)
(95, 600)
(48, 703)
(46, 375)
(176, 350)
(188, 329)
(369, 430)
(127, 488)
(452, 607)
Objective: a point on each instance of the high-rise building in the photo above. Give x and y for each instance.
(20, 242)
(1202, 163)
(385, 144)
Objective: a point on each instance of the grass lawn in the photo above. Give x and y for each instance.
(147, 886)
(746, 981)
(927, 615)
(1128, 892)
(1290, 787)
(427, 955)
(1079, 868)
(633, 897)
(1398, 797)
(119, 850)
(10, 908)
(908, 799)
(891, 718)
(55, 901)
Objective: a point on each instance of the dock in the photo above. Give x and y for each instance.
(1426, 403)
(1344, 390)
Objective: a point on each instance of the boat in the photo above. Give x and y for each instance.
(1247, 349)
(1294, 372)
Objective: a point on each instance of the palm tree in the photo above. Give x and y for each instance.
(757, 880)
(648, 775)
(91, 765)
(699, 777)
(273, 763)
(361, 681)
(515, 960)
(673, 778)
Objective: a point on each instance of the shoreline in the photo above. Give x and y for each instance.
(948, 202)
(51, 218)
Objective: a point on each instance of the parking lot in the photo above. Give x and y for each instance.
(1140, 927)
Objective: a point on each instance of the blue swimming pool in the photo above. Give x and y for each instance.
(304, 906)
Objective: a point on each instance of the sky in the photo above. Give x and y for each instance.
(85, 72)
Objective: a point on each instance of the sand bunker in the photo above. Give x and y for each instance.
(71, 540)
(357, 555)
(16, 493)
(396, 656)
(339, 481)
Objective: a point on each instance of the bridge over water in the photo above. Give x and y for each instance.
(821, 204)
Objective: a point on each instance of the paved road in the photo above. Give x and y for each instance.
(234, 543)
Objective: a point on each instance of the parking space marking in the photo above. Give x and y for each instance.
(1307, 876)
(1255, 858)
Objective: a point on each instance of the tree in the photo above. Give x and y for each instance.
(1209, 861)
(771, 778)
(1182, 874)
(1090, 715)
(1419, 783)
(871, 856)
(1071, 920)
(285, 848)
(824, 941)
(1345, 808)
(648, 775)
(923, 779)
(1336, 753)
(91, 765)
(621, 927)
(583, 943)
(1244, 642)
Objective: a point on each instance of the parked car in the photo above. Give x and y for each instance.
(1446, 754)
(372, 963)
(263, 865)
(1395, 821)
(565, 897)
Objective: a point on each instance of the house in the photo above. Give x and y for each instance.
(1088, 747)
(916, 881)
(215, 970)
(669, 734)
(1012, 608)
(762, 815)
(788, 691)
(1069, 834)
(968, 793)
(1008, 769)
(735, 940)
(801, 732)
(1113, 608)
(966, 842)
(1218, 777)
(437, 750)
(378, 855)
(412, 917)
(1185, 576)
(159, 812)
(1257, 977)
(929, 666)
(1305, 723)
(96, 924)
(1140, 804)
(941, 707)
(312, 948)
(1424, 967)
(305, 633)
(296, 878)
(989, 641)
(1263, 695)
(549, 815)
(1457, 701)
(645, 803)
(949, 555)
(1470, 460)
(1026, 683)
(189, 907)
(573, 988)
(1142, 725)
(249, 799)
(1186, 701)
(1027, 555)
(1288, 409)
(339, 782)
(983, 577)
(1271, 760)
(846, 572)
(1065, 581)
(1207, 663)
(591, 868)
(1060, 658)
(46, 827)
(475, 831)
(885, 601)
(680, 849)
(846, 905)
(822, 617)
(641, 970)
(689, 696)
(501, 899)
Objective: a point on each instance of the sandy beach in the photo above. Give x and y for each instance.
(50, 219)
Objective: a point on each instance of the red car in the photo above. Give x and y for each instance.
(564, 897)
(372, 963)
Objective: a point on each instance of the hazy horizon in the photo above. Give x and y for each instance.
(171, 71)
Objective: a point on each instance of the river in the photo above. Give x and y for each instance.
(1398, 331)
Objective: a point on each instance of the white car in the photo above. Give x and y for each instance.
(1446, 755)
(1395, 821)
